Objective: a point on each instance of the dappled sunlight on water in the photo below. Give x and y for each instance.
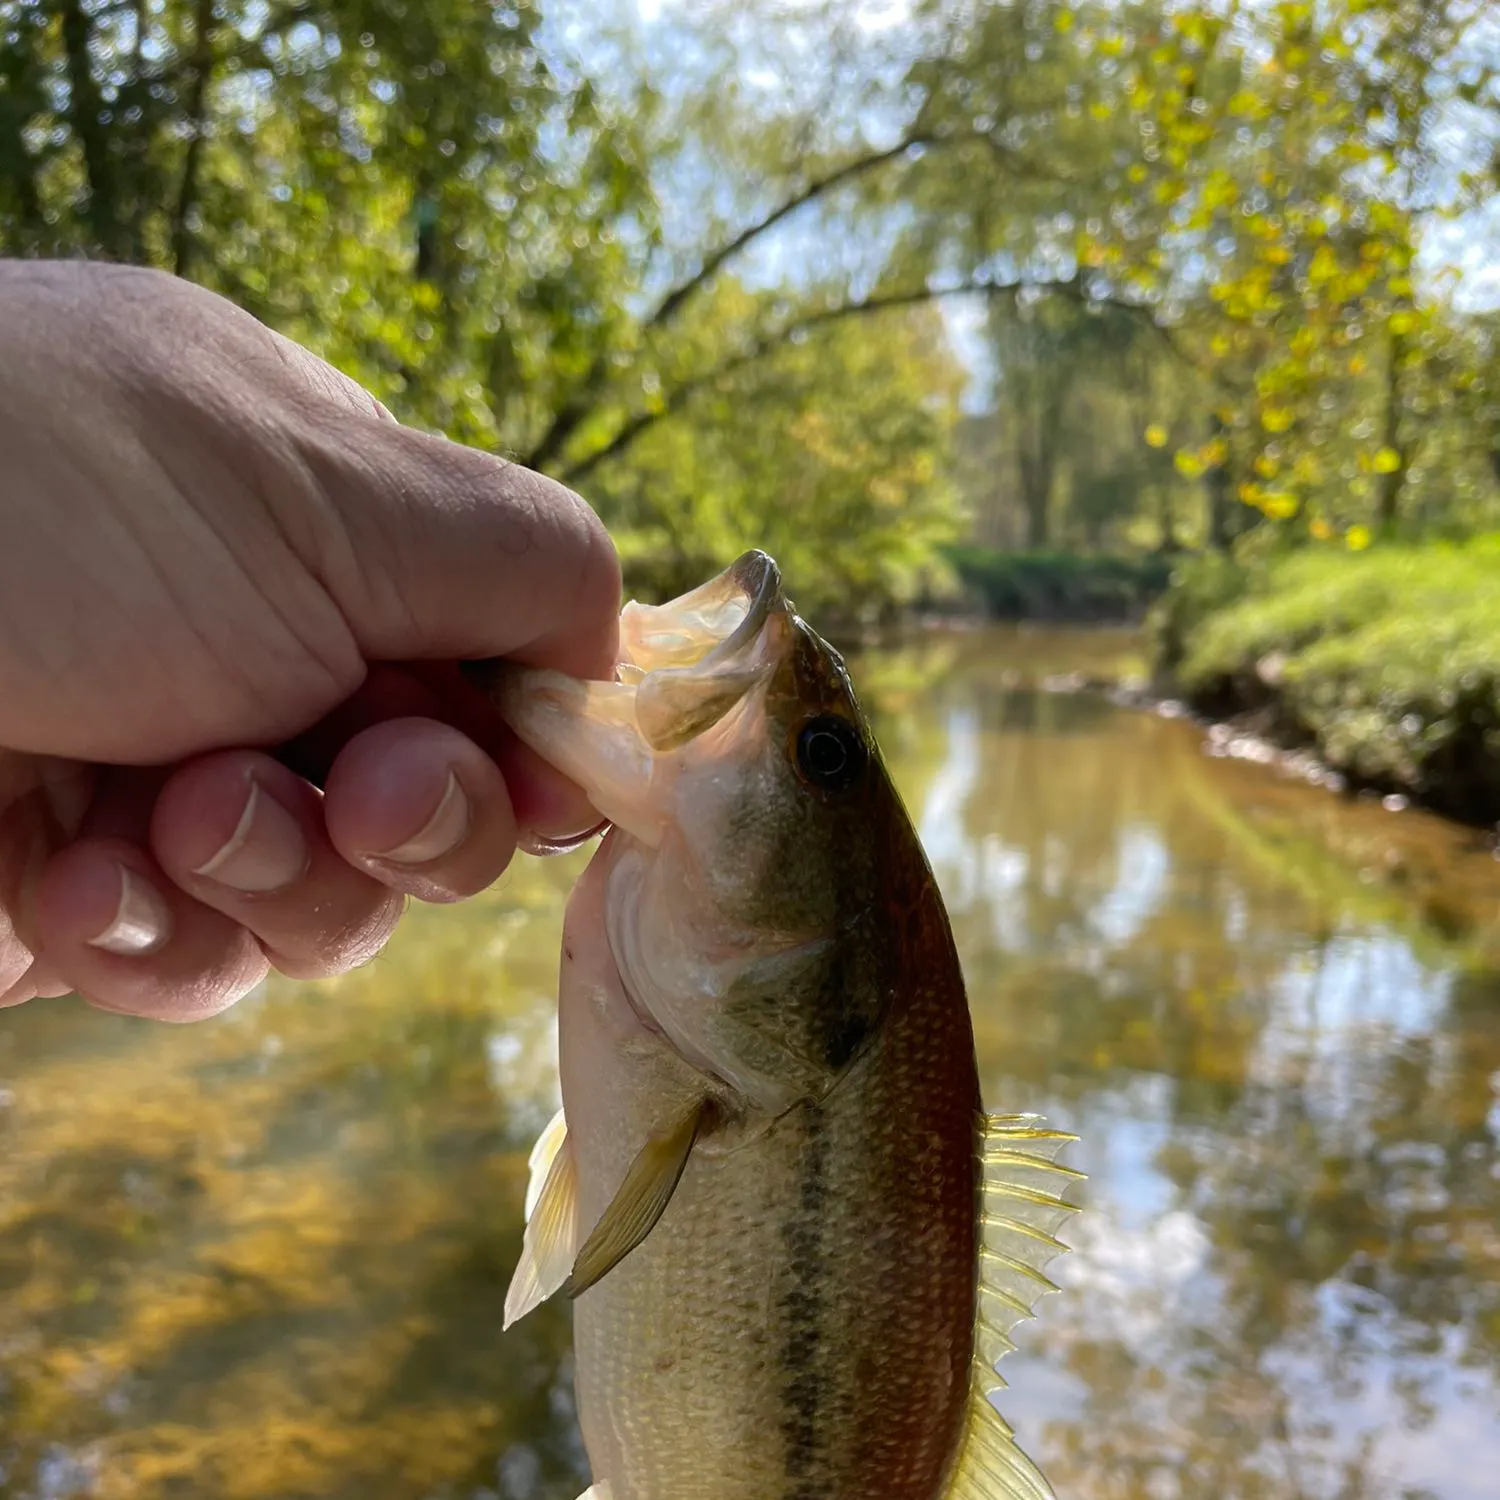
(266, 1256)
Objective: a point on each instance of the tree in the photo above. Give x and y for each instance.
(561, 250)
(831, 453)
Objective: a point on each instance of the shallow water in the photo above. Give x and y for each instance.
(265, 1258)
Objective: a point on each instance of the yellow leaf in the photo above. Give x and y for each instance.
(1064, 21)
(1277, 418)
(1156, 435)
(1320, 530)
(1357, 538)
(1324, 266)
(1387, 461)
(1358, 364)
(1402, 322)
(1188, 464)
(1279, 505)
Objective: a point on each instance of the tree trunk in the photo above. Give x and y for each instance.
(1166, 522)
(85, 108)
(1391, 483)
(197, 112)
(1219, 493)
(1035, 461)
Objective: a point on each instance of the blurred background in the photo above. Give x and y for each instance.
(1083, 365)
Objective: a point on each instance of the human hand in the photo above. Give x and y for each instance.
(214, 547)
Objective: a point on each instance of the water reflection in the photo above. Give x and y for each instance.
(267, 1257)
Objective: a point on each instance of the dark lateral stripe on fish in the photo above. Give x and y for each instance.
(853, 1009)
(801, 1309)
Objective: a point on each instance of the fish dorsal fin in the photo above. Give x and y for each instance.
(641, 1200)
(550, 1244)
(1022, 1208)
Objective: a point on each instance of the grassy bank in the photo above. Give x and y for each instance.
(1059, 585)
(1386, 661)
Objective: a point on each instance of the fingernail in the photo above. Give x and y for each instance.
(142, 921)
(443, 831)
(539, 845)
(265, 852)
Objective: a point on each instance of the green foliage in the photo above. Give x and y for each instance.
(1060, 585)
(829, 454)
(1199, 587)
(1389, 661)
(1253, 188)
(676, 267)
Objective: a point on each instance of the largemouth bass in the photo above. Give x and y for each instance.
(796, 1242)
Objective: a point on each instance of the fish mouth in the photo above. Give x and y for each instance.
(718, 622)
(684, 666)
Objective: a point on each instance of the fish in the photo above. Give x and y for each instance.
(795, 1243)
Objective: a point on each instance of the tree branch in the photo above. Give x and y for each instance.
(580, 403)
(667, 308)
(769, 342)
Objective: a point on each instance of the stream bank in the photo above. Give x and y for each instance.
(1385, 665)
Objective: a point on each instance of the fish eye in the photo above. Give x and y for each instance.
(830, 753)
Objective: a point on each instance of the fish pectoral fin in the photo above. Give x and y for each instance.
(641, 1200)
(539, 1163)
(551, 1240)
(600, 1491)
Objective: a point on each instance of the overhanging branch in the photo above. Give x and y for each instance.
(668, 307)
(640, 422)
(581, 402)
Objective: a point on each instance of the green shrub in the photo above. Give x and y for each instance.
(1059, 585)
(1388, 660)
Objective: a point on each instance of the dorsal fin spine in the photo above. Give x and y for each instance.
(1021, 1206)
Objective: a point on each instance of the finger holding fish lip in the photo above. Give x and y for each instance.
(553, 814)
(422, 809)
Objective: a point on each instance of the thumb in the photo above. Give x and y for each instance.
(444, 552)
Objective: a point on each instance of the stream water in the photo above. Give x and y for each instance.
(264, 1258)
